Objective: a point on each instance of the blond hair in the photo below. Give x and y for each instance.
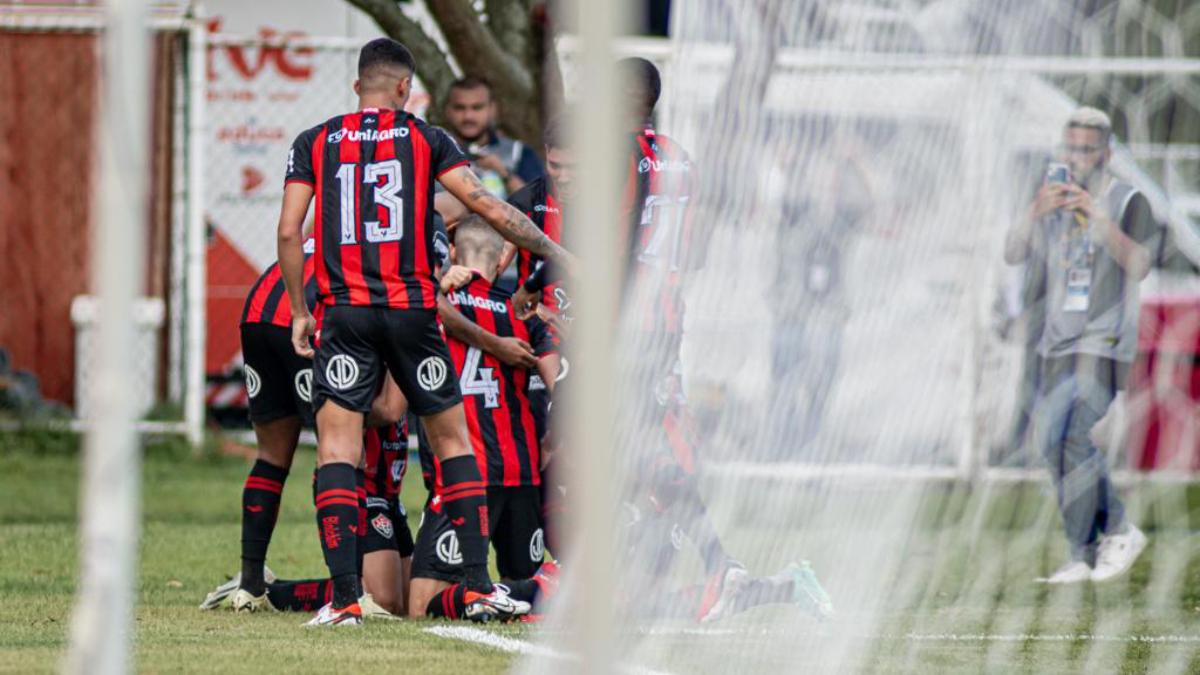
(1092, 118)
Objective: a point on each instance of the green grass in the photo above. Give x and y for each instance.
(942, 562)
(189, 544)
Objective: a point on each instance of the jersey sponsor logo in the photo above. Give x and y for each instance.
(360, 135)
(377, 503)
(431, 373)
(447, 548)
(660, 165)
(253, 382)
(536, 383)
(461, 298)
(383, 525)
(537, 546)
(341, 371)
(303, 384)
(547, 209)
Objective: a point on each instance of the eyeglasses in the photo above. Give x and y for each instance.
(1080, 149)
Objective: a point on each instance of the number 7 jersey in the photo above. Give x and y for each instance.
(373, 174)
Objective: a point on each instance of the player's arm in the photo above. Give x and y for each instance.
(512, 351)
(504, 218)
(290, 242)
(547, 369)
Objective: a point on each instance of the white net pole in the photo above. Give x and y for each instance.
(197, 280)
(102, 624)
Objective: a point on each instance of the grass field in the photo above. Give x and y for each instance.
(955, 597)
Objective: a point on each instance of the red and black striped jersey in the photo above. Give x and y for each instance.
(658, 207)
(268, 300)
(386, 459)
(496, 396)
(373, 174)
(539, 202)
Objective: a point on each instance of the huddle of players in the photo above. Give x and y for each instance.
(372, 278)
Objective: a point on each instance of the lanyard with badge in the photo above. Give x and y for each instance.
(1079, 252)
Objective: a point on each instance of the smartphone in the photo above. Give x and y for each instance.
(1058, 173)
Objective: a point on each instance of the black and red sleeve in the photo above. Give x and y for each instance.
(300, 159)
(444, 153)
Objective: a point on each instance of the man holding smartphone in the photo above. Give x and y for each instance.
(1090, 239)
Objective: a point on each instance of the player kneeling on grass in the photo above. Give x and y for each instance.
(503, 435)
(385, 553)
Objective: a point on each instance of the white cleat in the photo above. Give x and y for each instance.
(328, 616)
(1073, 572)
(496, 605)
(372, 609)
(721, 599)
(244, 602)
(220, 596)
(1118, 553)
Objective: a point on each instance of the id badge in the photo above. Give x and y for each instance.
(1079, 286)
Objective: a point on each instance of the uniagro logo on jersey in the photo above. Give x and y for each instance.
(303, 384)
(253, 382)
(431, 373)
(341, 371)
(359, 135)
(447, 548)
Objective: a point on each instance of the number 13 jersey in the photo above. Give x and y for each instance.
(373, 174)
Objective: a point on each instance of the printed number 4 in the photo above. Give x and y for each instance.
(387, 195)
(476, 380)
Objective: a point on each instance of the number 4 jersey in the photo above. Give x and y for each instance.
(500, 418)
(373, 174)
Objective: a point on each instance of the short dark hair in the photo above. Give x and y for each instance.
(471, 82)
(384, 52)
(644, 75)
(556, 135)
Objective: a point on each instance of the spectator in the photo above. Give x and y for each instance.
(1089, 239)
(503, 164)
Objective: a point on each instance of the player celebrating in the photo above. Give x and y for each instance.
(279, 384)
(502, 434)
(372, 172)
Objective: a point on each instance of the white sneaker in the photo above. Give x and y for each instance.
(328, 616)
(220, 596)
(1118, 553)
(1073, 572)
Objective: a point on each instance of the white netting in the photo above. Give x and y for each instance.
(856, 326)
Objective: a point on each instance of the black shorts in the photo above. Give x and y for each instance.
(278, 381)
(515, 524)
(359, 343)
(387, 528)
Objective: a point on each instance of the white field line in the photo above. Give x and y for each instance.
(941, 637)
(515, 646)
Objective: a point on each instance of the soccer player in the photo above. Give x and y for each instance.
(279, 384)
(386, 553)
(372, 173)
(502, 432)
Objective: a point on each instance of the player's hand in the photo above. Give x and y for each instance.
(1050, 198)
(561, 326)
(525, 302)
(303, 328)
(515, 352)
(455, 277)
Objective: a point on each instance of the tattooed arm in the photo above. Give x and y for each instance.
(504, 218)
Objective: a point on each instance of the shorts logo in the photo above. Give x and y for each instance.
(431, 373)
(537, 546)
(342, 371)
(447, 548)
(253, 382)
(383, 525)
(304, 385)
